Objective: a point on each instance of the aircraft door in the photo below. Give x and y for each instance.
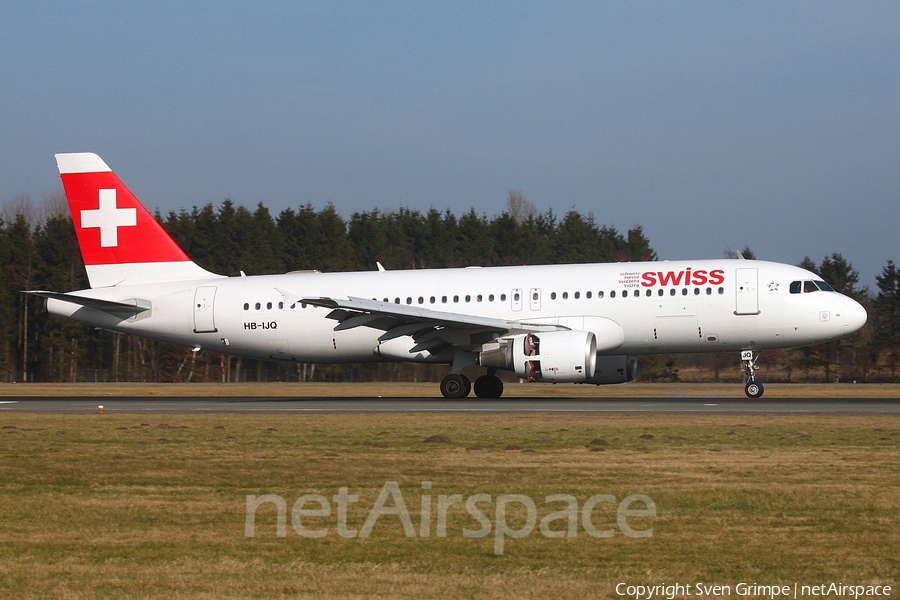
(746, 296)
(204, 301)
(516, 297)
(535, 297)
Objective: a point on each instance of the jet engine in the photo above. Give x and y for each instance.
(614, 369)
(554, 356)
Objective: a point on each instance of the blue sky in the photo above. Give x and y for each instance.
(713, 125)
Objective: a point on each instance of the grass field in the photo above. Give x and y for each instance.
(137, 505)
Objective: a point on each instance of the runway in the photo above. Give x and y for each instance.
(83, 404)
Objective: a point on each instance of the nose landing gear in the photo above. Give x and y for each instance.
(753, 388)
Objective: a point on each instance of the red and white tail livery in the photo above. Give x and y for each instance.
(584, 323)
(121, 242)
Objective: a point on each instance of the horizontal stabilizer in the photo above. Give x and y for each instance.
(132, 306)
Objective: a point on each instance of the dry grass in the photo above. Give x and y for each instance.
(130, 505)
(426, 390)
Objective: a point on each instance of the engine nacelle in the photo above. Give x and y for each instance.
(614, 369)
(554, 356)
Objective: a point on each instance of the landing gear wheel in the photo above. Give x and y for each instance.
(754, 389)
(455, 386)
(488, 386)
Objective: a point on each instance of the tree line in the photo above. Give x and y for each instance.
(41, 252)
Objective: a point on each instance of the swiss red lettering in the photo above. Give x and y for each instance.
(671, 278)
(687, 277)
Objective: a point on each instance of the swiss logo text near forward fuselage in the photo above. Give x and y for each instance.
(685, 277)
(108, 218)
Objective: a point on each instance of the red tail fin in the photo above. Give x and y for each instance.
(120, 240)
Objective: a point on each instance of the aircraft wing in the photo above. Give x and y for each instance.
(432, 330)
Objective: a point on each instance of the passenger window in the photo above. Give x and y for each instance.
(431, 300)
(672, 292)
(660, 292)
(721, 291)
(600, 294)
(577, 295)
(684, 292)
(443, 299)
(396, 300)
(565, 295)
(421, 300)
(257, 305)
(478, 297)
(516, 297)
(696, 291)
(624, 293)
(280, 305)
(490, 298)
(246, 306)
(468, 298)
(553, 295)
(708, 291)
(502, 297)
(455, 298)
(612, 294)
(649, 292)
(408, 300)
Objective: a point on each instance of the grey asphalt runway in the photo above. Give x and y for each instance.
(434, 405)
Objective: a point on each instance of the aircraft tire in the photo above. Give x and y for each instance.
(754, 389)
(455, 386)
(488, 386)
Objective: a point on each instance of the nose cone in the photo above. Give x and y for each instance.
(853, 315)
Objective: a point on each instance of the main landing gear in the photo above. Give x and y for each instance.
(753, 389)
(455, 386)
(488, 386)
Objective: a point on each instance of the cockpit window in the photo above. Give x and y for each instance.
(808, 286)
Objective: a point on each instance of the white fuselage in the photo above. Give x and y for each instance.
(662, 307)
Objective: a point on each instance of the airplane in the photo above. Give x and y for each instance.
(572, 323)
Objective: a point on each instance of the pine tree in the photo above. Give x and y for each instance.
(887, 317)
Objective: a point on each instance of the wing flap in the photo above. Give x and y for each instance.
(411, 314)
